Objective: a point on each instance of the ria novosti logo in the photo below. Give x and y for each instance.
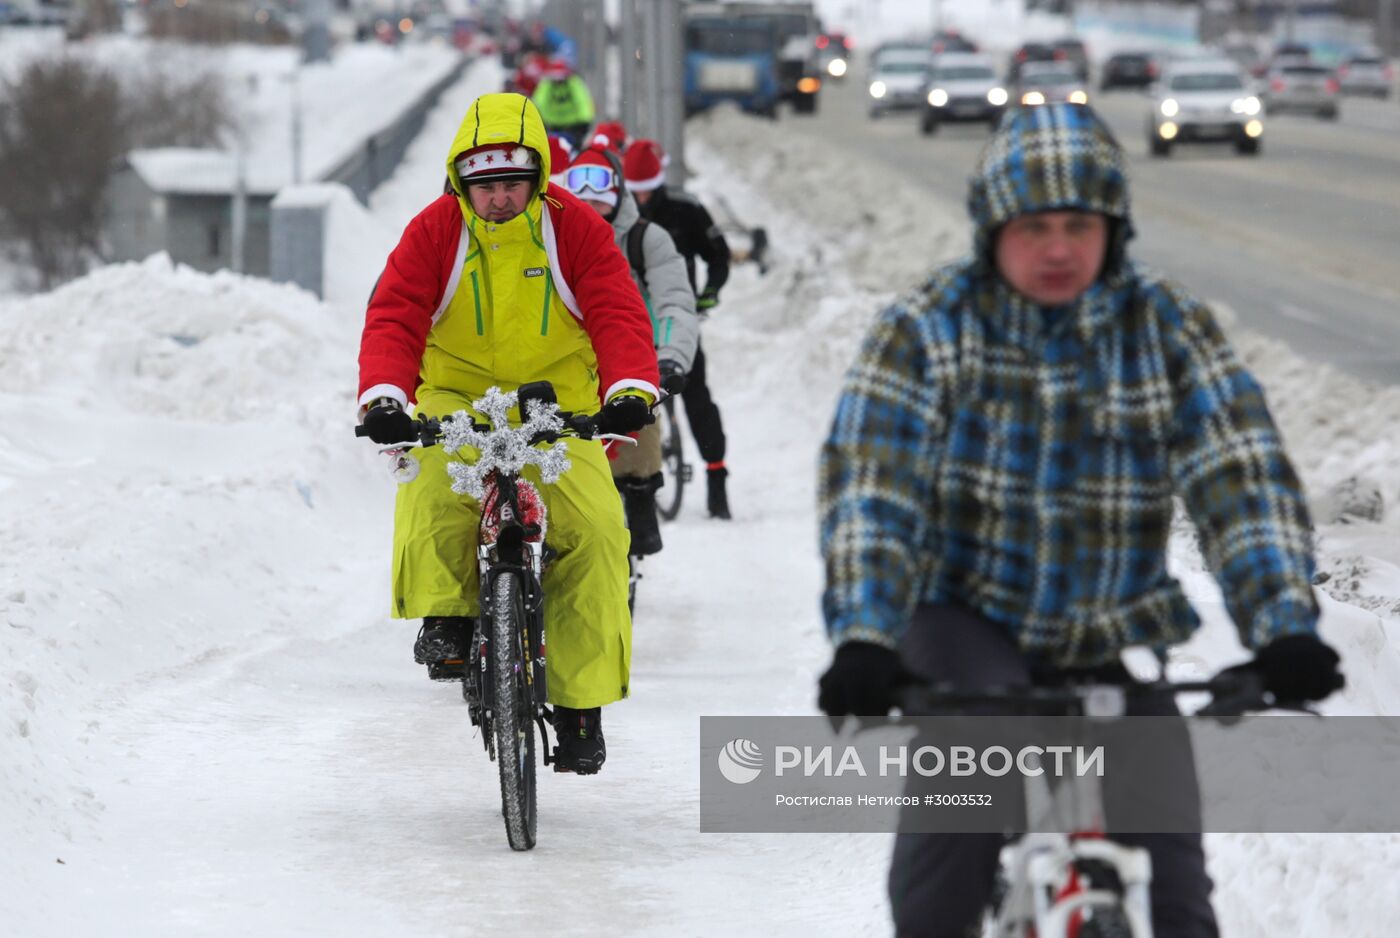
(741, 761)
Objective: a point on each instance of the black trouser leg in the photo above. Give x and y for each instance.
(702, 413)
(940, 883)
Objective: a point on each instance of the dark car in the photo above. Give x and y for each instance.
(950, 40)
(1029, 52)
(1072, 51)
(1129, 70)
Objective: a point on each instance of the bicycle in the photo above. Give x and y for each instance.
(503, 676)
(1078, 884)
(678, 472)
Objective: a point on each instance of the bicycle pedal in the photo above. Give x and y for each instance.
(451, 669)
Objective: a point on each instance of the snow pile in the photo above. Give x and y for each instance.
(179, 444)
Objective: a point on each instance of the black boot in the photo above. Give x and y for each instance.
(581, 748)
(718, 499)
(442, 644)
(639, 503)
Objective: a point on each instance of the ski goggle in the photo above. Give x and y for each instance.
(581, 179)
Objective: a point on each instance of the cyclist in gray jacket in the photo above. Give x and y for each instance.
(595, 176)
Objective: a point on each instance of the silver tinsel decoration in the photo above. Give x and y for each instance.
(504, 448)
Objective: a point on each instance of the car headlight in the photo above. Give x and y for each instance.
(938, 97)
(1032, 97)
(1170, 107)
(877, 89)
(1167, 130)
(996, 97)
(1254, 128)
(836, 67)
(1078, 97)
(1251, 105)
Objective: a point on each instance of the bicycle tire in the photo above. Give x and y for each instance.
(512, 720)
(673, 467)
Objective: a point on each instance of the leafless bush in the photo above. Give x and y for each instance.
(60, 132)
(216, 23)
(64, 124)
(173, 107)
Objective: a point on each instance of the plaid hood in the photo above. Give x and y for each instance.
(1054, 156)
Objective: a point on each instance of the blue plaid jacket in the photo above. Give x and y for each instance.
(1022, 462)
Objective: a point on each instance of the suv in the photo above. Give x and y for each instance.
(962, 86)
(1049, 82)
(1129, 70)
(1301, 86)
(1365, 73)
(897, 80)
(1029, 52)
(1204, 101)
(1072, 50)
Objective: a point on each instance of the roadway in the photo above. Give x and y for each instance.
(1301, 241)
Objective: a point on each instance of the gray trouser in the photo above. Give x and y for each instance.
(941, 883)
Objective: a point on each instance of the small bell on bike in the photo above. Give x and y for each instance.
(404, 468)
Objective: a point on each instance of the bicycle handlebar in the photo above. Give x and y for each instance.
(1233, 694)
(429, 429)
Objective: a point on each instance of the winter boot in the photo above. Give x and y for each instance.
(639, 502)
(442, 644)
(580, 733)
(718, 500)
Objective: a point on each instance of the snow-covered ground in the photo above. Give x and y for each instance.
(210, 726)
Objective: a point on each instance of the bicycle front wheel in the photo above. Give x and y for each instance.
(673, 466)
(512, 723)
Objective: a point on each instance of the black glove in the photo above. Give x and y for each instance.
(1296, 668)
(386, 423)
(672, 377)
(862, 679)
(706, 301)
(626, 414)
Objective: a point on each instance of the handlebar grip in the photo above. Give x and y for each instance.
(362, 430)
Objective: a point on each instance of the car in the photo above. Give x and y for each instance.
(962, 86)
(1129, 70)
(1247, 57)
(1204, 102)
(1028, 52)
(1300, 86)
(897, 81)
(1072, 50)
(950, 40)
(1365, 73)
(1049, 82)
(834, 54)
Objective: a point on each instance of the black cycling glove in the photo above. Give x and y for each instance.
(1297, 668)
(863, 679)
(672, 377)
(626, 414)
(386, 423)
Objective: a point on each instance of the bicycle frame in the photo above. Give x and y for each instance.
(511, 540)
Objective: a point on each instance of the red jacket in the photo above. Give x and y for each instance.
(589, 265)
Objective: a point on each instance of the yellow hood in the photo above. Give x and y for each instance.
(499, 118)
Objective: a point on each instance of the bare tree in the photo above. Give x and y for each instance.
(64, 123)
(60, 133)
(176, 107)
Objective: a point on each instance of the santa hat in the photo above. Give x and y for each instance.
(496, 162)
(593, 156)
(644, 165)
(560, 155)
(611, 134)
(557, 70)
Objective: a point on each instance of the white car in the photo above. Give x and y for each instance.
(1204, 101)
(962, 86)
(897, 80)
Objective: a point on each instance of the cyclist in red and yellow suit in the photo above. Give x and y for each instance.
(502, 281)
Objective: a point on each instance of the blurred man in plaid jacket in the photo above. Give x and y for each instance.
(996, 491)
